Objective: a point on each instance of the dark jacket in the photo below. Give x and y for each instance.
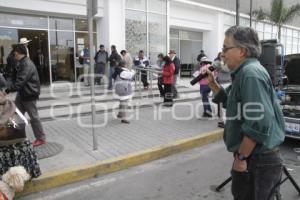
(103, 57)
(176, 62)
(27, 82)
(114, 59)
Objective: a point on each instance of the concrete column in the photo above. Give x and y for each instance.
(213, 40)
(111, 27)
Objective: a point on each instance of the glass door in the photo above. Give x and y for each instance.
(38, 51)
(62, 50)
(8, 37)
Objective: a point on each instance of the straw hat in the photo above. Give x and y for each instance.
(24, 40)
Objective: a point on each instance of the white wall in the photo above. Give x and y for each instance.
(111, 27)
(62, 7)
(191, 17)
(213, 40)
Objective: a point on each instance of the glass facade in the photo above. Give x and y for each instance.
(136, 31)
(136, 4)
(23, 21)
(187, 44)
(146, 27)
(55, 38)
(290, 38)
(157, 35)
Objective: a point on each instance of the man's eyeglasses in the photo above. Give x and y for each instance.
(225, 49)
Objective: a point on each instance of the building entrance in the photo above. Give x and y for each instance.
(38, 51)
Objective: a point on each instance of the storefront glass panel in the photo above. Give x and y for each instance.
(23, 21)
(157, 35)
(82, 25)
(136, 4)
(158, 6)
(136, 31)
(7, 38)
(61, 24)
(82, 40)
(62, 55)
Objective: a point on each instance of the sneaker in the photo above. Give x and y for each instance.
(38, 142)
(125, 121)
(119, 115)
(167, 105)
(205, 114)
(221, 124)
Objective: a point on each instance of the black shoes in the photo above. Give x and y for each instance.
(207, 115)
(221, 124)
(125, 121)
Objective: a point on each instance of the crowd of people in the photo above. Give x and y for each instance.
(253, 136)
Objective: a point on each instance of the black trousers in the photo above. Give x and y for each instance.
(168, 93)
(261, 180)
(31, 108)
(160, 86)
(144, 78)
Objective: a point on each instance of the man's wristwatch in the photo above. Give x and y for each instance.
(241, 157)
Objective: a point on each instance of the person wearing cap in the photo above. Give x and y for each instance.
(223, 77)
(204, 88)
(27, 86)
(101, 59)
(202, 54)
(123, 88)
(176, 61)
(25, 42)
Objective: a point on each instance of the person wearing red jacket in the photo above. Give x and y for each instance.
(168, 80)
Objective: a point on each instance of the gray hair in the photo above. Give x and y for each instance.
(247, 38)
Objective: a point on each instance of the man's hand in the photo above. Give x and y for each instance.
(239, 165)
(215, 87)
(210, 77)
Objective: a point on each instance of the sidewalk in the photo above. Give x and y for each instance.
(154, 132)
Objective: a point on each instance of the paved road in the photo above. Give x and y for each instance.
(185, 176)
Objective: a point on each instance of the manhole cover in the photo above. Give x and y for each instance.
(47, 150)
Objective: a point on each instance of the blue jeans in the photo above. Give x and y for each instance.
(205, 90)
(261, 180)
(111, 72)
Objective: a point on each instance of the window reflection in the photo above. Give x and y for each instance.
(62, 55)
(136, 32)
(61, 24)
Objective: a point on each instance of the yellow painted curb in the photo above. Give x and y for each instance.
(71, 175)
